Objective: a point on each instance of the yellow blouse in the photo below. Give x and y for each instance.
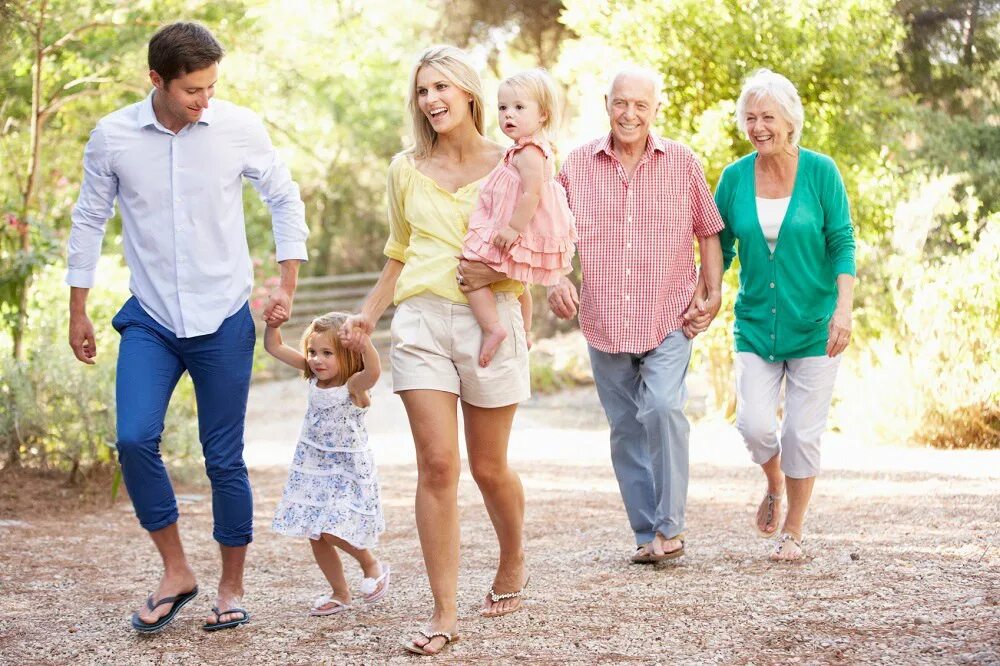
(427, 225)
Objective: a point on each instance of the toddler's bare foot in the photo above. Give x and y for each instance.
(492, 339)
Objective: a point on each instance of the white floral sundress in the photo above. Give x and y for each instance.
(332, 483)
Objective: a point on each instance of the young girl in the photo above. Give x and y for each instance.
(332, 494)
(522, 226)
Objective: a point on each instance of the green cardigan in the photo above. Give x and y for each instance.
(787, 297)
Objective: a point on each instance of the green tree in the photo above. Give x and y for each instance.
(84, 55)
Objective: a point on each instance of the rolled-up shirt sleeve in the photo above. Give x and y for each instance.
(273, 182)
(399, 228)
(94, 207)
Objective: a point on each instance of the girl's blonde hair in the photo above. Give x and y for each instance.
(349, 362)
(455, 65)
(538, 85)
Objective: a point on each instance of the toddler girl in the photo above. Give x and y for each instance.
(522, 226)
(332, 494)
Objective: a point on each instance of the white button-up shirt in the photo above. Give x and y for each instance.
(181, 202)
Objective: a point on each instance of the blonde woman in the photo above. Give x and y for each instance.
(432, 190)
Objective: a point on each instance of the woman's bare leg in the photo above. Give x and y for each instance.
(433, 417)
(487, 433)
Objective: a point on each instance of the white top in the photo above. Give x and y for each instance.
(333, 485)
(771, 213)
(181, 202)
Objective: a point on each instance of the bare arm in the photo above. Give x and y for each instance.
(530, 166)
(279, 350)
(360, 382)
(81, 331)
(840, 323)
(280, 299)
(708, 292)
(359, 326)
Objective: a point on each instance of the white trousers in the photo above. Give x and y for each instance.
(808, 393)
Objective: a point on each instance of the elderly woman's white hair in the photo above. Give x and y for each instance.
(765, 84)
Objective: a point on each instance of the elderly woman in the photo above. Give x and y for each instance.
(786, 213)
(432, 190)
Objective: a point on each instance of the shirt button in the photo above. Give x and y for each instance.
(770, 257)
(177, 199)
(773, 310)
(772, 336)
(626, 297)
(628, 271)
(629, 219)
(772, 285)
(628, 246)
(770, 358)
(624, 324)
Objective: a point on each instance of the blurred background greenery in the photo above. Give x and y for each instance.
(903, 94)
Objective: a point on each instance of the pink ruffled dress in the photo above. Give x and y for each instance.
(544, 252)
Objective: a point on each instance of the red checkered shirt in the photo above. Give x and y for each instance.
(636, 240)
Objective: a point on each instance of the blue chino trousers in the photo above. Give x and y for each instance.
(151, 360)
(643, 396)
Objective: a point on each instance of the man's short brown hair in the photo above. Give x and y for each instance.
(180, 48)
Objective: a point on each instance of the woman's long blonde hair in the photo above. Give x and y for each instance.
(349, 362)
(455, 65)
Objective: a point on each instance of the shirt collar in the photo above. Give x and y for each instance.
(147, 116)
(653, 143)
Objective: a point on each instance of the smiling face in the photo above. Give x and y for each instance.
(321, 355)
(444, 104)
(631, 105)
(183, 100)
(767, 128)
(520, 115)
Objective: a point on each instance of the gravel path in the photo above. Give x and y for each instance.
(905, 567)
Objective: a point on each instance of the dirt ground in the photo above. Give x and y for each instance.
(905, 569)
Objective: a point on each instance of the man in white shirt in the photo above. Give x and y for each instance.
(175, 162)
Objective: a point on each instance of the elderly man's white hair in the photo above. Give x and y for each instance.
(637, 71)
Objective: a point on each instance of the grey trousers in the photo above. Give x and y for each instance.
(643, 396)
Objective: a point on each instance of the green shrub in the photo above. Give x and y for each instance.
(59, 413)
(560, 362)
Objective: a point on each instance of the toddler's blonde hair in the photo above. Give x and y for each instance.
(349, 362)
(537, 84)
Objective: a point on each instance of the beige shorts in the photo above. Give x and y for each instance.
(435, 345)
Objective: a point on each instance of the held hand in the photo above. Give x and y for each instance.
(840, 332)
(506, 238)
(563, 299)
(278, 317)
(700, 313)
(81, 338)
(355, 331)
(278, 298)
(472, 275)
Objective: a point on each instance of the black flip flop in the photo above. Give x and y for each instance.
(226, 625)
(178, 603)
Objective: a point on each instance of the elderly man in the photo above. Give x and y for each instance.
(639, 202)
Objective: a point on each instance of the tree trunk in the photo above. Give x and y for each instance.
(970, 35)
(35, 143)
